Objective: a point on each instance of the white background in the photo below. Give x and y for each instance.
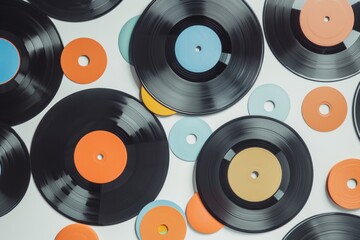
(33, 218)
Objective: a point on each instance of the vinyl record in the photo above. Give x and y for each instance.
(356, 111)
(14, 169)
(32, 72)
(317, 40)
(99, 157)
(75, 10)
(197, 57)
(250, 170)
(328, 226)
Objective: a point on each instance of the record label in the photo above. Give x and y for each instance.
(9, 61)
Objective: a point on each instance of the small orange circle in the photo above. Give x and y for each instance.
(329, 97)
(327, 22)
(100, 157)
(78, 232)
(163, 223)
(90, 49)
(337, 184)
(199, 218)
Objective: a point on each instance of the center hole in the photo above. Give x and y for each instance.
(352, 184)
(198, 49)
(100, 157)
(163, 229)
(269, 106)
(254, 174)
(324, 109)
(326, 19)
(191, 139)
(84, 61)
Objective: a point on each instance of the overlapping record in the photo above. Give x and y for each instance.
(75, 10)
(99, 157)
(31, 61)
(328, 226)
(197, 57)
(356, 111)
(315, 39)
(14, 169)
(250, 170)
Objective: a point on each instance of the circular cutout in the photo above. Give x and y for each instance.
(31, 74)
(163, 216)
(199, 218)
(125, 36)
(193, 93)
(178, 138)
(9, 61)
(14, 169)
(327, 22)
(75, 11)
(328, 226)
(324, 96)
(342, 184)
(269, 100)
(78, 232)
(216, 162)
(87, 112)
(83, 61)
(254, 174)
(198, 48)
(150, 206)
(100, 157)
(153, 105)
(83, 48)
(324, 109)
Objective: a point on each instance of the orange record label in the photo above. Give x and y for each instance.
(342, 184)
(327, 22)
(100, 157)
(163, 223)
(76, 232)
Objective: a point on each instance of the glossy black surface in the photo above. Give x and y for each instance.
(356, 111)
(53, 165)
(14, 169)
(40, 74)
(328, 226)
(75, 10)
(197, 93)
(277, 138)
(302, 57)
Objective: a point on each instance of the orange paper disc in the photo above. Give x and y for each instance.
(163, 223)
(332, 100)
(199, 218)
(327, 22)
(92, 52)
(77, 232)
(100, 157)
(342, 184)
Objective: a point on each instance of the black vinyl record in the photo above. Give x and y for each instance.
(54, 147)
(39, 74)
(328, 226)
(75, 10)
(356, 111)
(212, 169)
(180, 88)
(14, 169)
(286, 39)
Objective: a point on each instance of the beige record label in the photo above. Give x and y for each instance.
(254, 174)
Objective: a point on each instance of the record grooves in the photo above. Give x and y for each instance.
(164, 42)
(38, 78)
(328, 226)
(356, 111)
(73, 134)
(14, 169)
(284, 151)
(75, 10)
(306, 58)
